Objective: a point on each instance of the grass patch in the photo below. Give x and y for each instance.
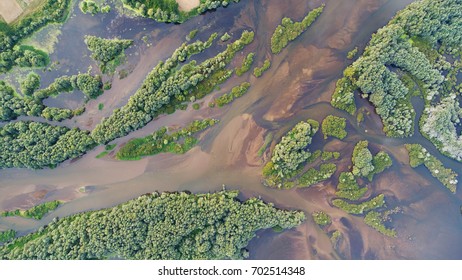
(358, 209)
(268, 139)
(321, 218)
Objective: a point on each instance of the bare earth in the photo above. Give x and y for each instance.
(187, 5)
(10, 10)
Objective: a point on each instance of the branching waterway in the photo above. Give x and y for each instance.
(298, 86)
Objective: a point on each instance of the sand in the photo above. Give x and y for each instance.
(10, 10)
(187, 5)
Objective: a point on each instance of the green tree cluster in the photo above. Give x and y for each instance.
(334, 126)
(236, 92)
(321, 218)
(418, 41)
(37, 212)
(376, 221)
(246, 64)
(11, 53)
(348, 187)
(313, 176)
(292, 150)
(7, 235)
(37, 145)
(358, 209)
(258, 71)
(366, 165)
(178, 142)
(30, 84)
(418, 155)
(288, 30)
(166, 84)
(156, 226)
(106, 51)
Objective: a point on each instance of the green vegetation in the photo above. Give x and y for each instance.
(334, 126)
(30, 84)
(321, 218)
(167, 85)
(422, 44)
(225, 37)
(161, 142)
(156, 226)
(358, 209)
(258, 71)
(192, 34)
(343, 97)
(351, 54)
(89, 6)
(7, 235)
(365, 165)
(289, 31)
(246, 64)
(348, 187)
(100, 106)
(169, 11)
(266, 143)
(36, 212)
(91, 86)
(38, 145)
(335, 238)
(102, 154)
(108, 52)
(236, 92)
(375, 220)
(418, 155)
(196, 106)
(329, 155)
(291, 152)
(11, 53)
(314, 176)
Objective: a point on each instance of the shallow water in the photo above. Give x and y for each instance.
(297, 86)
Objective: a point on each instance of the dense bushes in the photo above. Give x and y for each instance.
(419, 41)
(313, 176)
(166, 84)
(10, 35)
(292, 150)
(106, 50)
(236, 92)
(348, 187)
(178, 142)
(7, 235)
(365, 165)
(156, 226)
(334, 126)
(289, 31)
(37, 145)
(246, 64)
(375, 220)
(91, 86)
(321, 218)
(258, 71)
(358, 209)
(37, 212)
(418, 155)
(30, 84)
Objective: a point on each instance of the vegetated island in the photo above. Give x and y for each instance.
(289, 30)
(37, 212)
(423, 44)
(156, 226)
(108, 52)
(418, 155)
(178, 142)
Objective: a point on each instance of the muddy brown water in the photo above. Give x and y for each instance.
(297, 86)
